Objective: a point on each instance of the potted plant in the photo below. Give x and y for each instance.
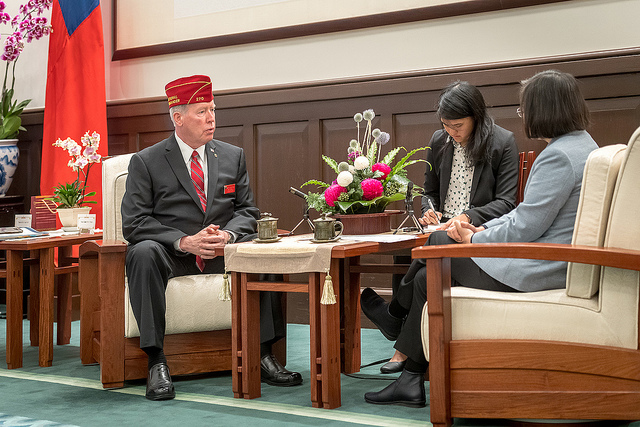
(27, 26)
(365, 184)
(70, 197)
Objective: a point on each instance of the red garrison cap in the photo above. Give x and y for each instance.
(189, 90)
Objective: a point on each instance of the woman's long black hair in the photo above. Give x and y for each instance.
(462, 99)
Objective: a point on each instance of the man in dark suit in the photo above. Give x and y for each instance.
(186, 196)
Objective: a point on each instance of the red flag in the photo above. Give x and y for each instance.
(75, 98)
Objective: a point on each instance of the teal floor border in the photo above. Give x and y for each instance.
(253, 405)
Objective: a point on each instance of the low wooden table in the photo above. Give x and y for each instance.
(334, 329)
(42, 272)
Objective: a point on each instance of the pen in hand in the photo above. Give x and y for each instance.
(432, 208)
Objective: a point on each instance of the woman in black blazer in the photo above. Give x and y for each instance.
(472, 174)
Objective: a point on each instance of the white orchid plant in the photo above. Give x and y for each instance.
(71, 195)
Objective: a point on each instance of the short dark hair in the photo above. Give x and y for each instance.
(552, 105)
(459, 100)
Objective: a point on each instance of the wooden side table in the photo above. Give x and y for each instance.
(324, 322)
(334, 329)
(42, 275)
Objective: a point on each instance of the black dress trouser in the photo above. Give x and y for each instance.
(411, 294)
(150, 265)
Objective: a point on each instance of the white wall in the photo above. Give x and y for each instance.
(557, 29)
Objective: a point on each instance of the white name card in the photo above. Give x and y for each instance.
(23, 220)
(86, 222)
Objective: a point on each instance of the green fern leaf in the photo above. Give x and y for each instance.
(316, 182)
(401, 164)
(391, 155)
(332, 163)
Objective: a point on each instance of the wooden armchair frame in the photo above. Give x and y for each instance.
(531, 379)
(102, 334)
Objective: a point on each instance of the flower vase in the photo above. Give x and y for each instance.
(371, 223)
(9, 154)
(69, 217)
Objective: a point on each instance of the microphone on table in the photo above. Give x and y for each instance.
(408, 199)
(297, 192)
(305, 217)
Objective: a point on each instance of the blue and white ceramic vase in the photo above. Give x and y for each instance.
(9, 155)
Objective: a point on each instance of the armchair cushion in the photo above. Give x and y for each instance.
(115, 171)
(192, 306)
(547, 315)
(623, 227)
(601, 173)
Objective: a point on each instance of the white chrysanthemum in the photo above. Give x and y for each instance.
(344, 178)
(361, 163)
(352, 169)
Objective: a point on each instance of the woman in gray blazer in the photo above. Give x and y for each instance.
(552, 109)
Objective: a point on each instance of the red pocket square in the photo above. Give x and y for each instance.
(228, 189)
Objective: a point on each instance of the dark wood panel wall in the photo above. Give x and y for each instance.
(285, 129)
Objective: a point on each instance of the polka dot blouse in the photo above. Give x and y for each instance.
(459, 192)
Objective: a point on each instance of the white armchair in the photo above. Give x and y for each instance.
(198, 324)
(571, 353)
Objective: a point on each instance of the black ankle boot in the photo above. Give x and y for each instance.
(407, 390)
(377, 310)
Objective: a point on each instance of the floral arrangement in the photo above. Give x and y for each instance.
(364, 183)
(74, 194)
(27, 26)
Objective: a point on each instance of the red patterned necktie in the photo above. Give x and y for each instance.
(197, 176)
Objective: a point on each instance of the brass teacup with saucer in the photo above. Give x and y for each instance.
(267, 229)
(326, 230)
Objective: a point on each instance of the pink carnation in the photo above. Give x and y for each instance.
(353, 155)
(382, 167)
(371, 188)
(332, 193)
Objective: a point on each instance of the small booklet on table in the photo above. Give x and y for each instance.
(7, 233)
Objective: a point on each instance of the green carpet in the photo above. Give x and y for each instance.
(69, 393)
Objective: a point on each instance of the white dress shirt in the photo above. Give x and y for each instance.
(186, 156)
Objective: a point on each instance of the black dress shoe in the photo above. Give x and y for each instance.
(377, 310)
(407, 390)
(159, 385)
(392, 367)
(273, 373)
